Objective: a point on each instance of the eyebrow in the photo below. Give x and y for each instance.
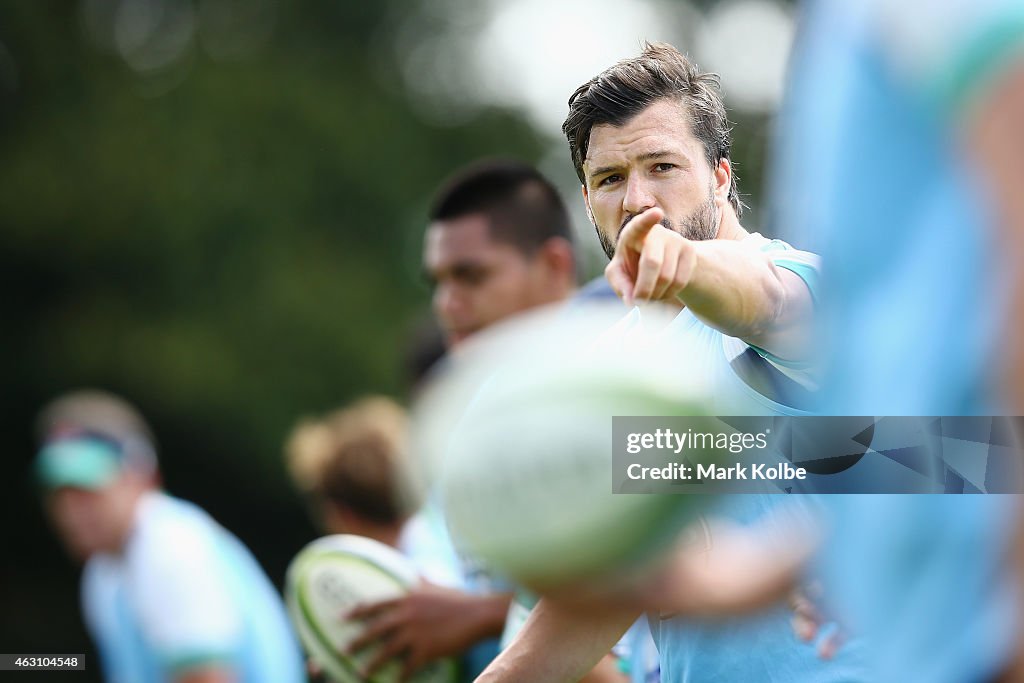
(646, 156)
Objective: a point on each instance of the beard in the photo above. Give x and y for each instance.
(700, 225)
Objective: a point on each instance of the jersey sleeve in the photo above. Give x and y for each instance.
(807, 266)
(99, 604)
(183, 599)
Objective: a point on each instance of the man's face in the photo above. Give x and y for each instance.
(477, 280)
(90, 521)
(652, 160)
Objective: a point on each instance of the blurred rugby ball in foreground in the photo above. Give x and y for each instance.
(331, 576)
(520, 427)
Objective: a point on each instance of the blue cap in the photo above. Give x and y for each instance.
(82, 462)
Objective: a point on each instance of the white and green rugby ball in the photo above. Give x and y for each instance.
(334, 574)
(519, 431)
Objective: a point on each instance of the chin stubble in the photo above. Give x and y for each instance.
(700, 225)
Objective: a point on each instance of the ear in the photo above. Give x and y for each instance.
(723, 181)
(586, 204)
(558, 256)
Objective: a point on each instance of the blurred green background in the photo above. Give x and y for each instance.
(215, 208)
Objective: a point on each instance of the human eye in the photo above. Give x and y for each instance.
(470, 275)
(663, 166)
(609, 180)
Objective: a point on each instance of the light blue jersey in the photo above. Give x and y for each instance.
(873, 169)
(427, 542)
(762, 646)
(749, 381)
(185, 593)
(743, 379)
(918, 578)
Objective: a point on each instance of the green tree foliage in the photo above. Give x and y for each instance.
(230, 243)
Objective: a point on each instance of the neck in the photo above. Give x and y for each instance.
(729, 227)
(134, 501)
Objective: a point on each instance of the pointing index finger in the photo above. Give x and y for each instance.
(633, 235)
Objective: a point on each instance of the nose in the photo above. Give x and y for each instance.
(638, 196)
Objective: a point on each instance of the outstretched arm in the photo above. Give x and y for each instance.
(733, 288)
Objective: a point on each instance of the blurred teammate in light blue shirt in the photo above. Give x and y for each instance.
(168, 595)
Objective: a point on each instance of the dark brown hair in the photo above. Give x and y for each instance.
(660, 72)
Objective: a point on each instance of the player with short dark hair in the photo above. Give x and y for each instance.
(499, 243)
(660, 73)
(522, 207)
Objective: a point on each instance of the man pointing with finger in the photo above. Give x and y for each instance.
(650, 141)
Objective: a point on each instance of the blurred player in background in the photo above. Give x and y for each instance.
(650, 140)
(499, 243)
(902, 154)
(167, 593)
(353, 466)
